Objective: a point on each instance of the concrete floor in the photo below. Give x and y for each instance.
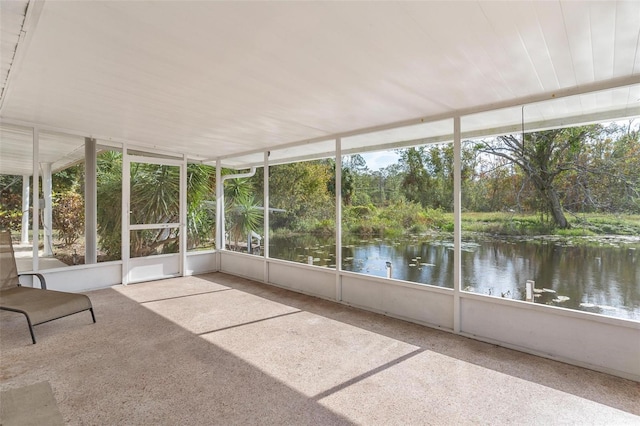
(217, 349)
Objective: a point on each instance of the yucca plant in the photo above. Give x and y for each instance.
(243, 216)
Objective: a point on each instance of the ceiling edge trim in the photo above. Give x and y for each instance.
(32, 16)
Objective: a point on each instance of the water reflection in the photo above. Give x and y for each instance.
(603, 279)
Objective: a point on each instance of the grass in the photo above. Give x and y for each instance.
(378, 223)
(584, 224)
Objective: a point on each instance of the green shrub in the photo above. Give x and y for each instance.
(325, 227)
(362, 212)
(10, 211)
(68, 216)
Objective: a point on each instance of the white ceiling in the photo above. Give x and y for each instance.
(215, 79)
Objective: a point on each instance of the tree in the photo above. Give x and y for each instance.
(242, 215)
(348, 180)
(69, 179)
(301, 190)
(109, 200)
(428, 174)
(543, 157)
(610, 180)
(200, 204)
(416, 181)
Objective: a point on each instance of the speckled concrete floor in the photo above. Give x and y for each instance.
(217, 349)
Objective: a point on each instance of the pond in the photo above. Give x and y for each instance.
(600, 275)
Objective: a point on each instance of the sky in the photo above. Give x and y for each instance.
(380, 159)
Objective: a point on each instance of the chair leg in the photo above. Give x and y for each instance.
(92, 315)
(33, 336)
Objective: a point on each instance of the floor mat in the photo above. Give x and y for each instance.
(29, 405)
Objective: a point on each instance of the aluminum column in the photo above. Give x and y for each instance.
(338, 220)
(25, 210)
(48, 209)
(457, 223)
(36, 198)
(90, 201)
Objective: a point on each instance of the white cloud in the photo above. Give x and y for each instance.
(380, 159)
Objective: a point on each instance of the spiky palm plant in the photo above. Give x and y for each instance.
(243, 217)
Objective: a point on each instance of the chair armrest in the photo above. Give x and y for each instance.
(43, 283)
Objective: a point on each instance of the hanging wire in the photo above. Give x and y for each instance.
(522, 117)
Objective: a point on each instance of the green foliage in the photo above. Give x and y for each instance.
(586, 224)
(11, 207)
(10, 184)
(68, 216)
(301, 190)
(200, 205)
(109, 199)
(396, 219)
(243, 206)
(363, 212)
(575, 232)
(69, 179)
(428, 173)
(506, 223)
(154, 199)
(325, 227)
(416, 178)
(348, 180)
(243, 216)
(364, 221)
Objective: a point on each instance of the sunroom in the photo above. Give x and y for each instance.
(221, 111)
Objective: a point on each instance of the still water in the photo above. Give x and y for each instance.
(601, 277)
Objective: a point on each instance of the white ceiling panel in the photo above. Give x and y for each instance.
(551, 19)
(627, 16)
(16, 150)
(603, 36)
(578, 24)
(217, 79)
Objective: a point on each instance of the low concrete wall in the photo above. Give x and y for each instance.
(427, 305)
(201, 262)
(313, 280)
(601, 343)
(81, 277)
(242, 265)
(154, 267)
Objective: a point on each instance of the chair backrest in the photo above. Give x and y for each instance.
(8, 268)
